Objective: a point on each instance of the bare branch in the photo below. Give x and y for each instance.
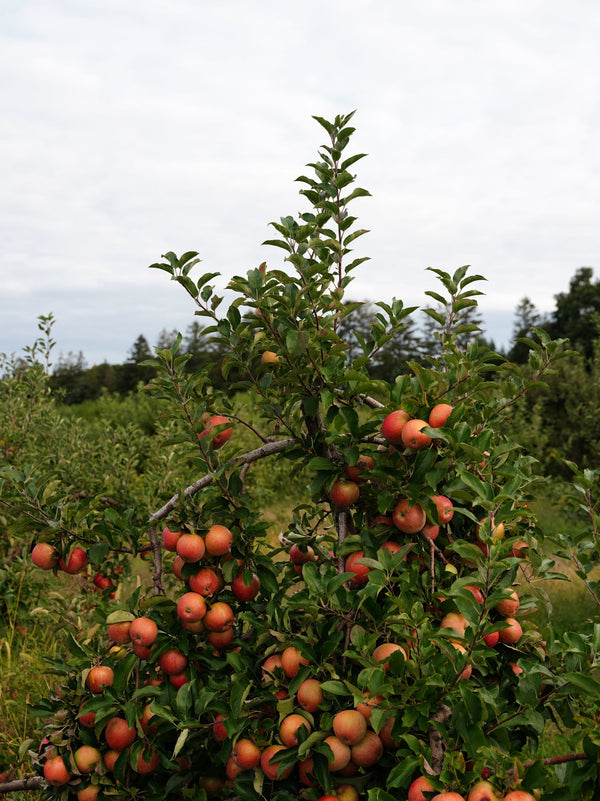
(30, 783)
(268, 449)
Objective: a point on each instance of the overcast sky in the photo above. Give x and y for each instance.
(129, 129)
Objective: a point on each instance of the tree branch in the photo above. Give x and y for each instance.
(268, 449)
(30, 783)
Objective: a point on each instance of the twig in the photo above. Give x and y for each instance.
(30, 783)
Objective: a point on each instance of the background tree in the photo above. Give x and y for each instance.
(577, 313)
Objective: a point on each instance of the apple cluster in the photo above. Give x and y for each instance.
(481, 791)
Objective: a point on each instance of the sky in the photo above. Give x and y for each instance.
(130, 129)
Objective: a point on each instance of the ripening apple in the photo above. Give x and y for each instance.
(384, 651)
(367, 751)
(409, 518)
(413, 436)
(468, 669)
(439, 414)
(143, 631)
(512, 633)
(191, 607)
(341, 753)
(346, 792)
(357, 471)
(431, 531)
(119, 632)
(349, 726)
(491, 639)
(205, 581)
(418, 787)
(243, 591)
(147, 761)
(118, 734)
(306, 770)
(344, 493)
(99, 677)
(55, 771)
(170, 538)
(508, 606)
(110, 757)
(87, 719)
(300, 556)
(392, 426)
(89, 793)
(232, 769)
(309, 695)
(353, 565)
(366, 707)
(246, 754)
(290, 725)
(448, 797)
(76, 561)
(221, 437)
(86, 757)
(456, 621)
(292, 660)
(220, 639)
(271, 769)
(269, 666)
(218, 540)
(44, 555)
(178, 679)
(219, 617)
(191, 547)
(445, 508)
(173, 661)
(518, 795)
(218, 728)
(385, 734)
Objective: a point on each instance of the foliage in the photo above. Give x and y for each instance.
(445, 702)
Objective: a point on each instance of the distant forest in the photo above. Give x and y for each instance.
(576, 317)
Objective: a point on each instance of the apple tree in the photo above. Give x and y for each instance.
(384, 640)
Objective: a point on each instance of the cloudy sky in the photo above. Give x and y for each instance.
(129, 129)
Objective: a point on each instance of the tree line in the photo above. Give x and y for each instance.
(576, 317)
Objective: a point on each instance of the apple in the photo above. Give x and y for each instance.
(110, 757)
(292, 660)
(177, 567)
(270, 768)
(491, 639)
(221, 437)
(219, 617)
(439, 414)
(173, 661)
(220, 639)
(409, 518)
(448, 797)
(191, 547)
(99, 677)
(346, 792)
(218, 540)
(147, 761)
(431, 531)
(89, 793)
(143, 631)
(518, 795)
(87, 719)
(218, 728)
(141, 651)
(309, 695)
(418, 787)
(508, 606)
(269, 666)
(300, 556)
(349, 726)
(456, 621)
(243, 591)
(118, 734)
(86, 758)
(385, 734)
(170, 538)
(76, 561)
(288, 730)
(55, 771)
(246, 754)
(412, 434)
(191, 607)
(383, 652)
(392, 426)
(367, 751)
(344, 493)
(341, 753)
(205, 581)
(445, 508)
(363, 465)
(475, 592)
(44, 555)
(353, 565)
(366, 707)
(468, 669)
(306, 772)
(145, 718)
(119, 632)
(512, 633)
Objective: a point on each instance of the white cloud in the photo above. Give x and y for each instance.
(129, 130)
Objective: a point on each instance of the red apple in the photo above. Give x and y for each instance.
(76, 561)
(243, 591)
(191, 547)
(222, 436)
(439, 414)
(344, 493)
(349, 726)
(445, 508)
(173, 661)
(148, 761)
(518, 795)
(508, 606)
(357, 472)
(353, 565)
(44, 555)
(383, 652)
(170, 538)
(288, 730)
(246, 754)
(417, 789)
(292, 660)
(219, 617)
(205, 581)
(191, 607)
(512, 633)
(118, 734)
(218, 540)
(270, 768)
(143, 631)
(392, 426)
(86, 758)
(55, 771)
(99, 677)
(412, 434)
(309, 695)
(119, 632)
(409, 518)
(341, 753)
